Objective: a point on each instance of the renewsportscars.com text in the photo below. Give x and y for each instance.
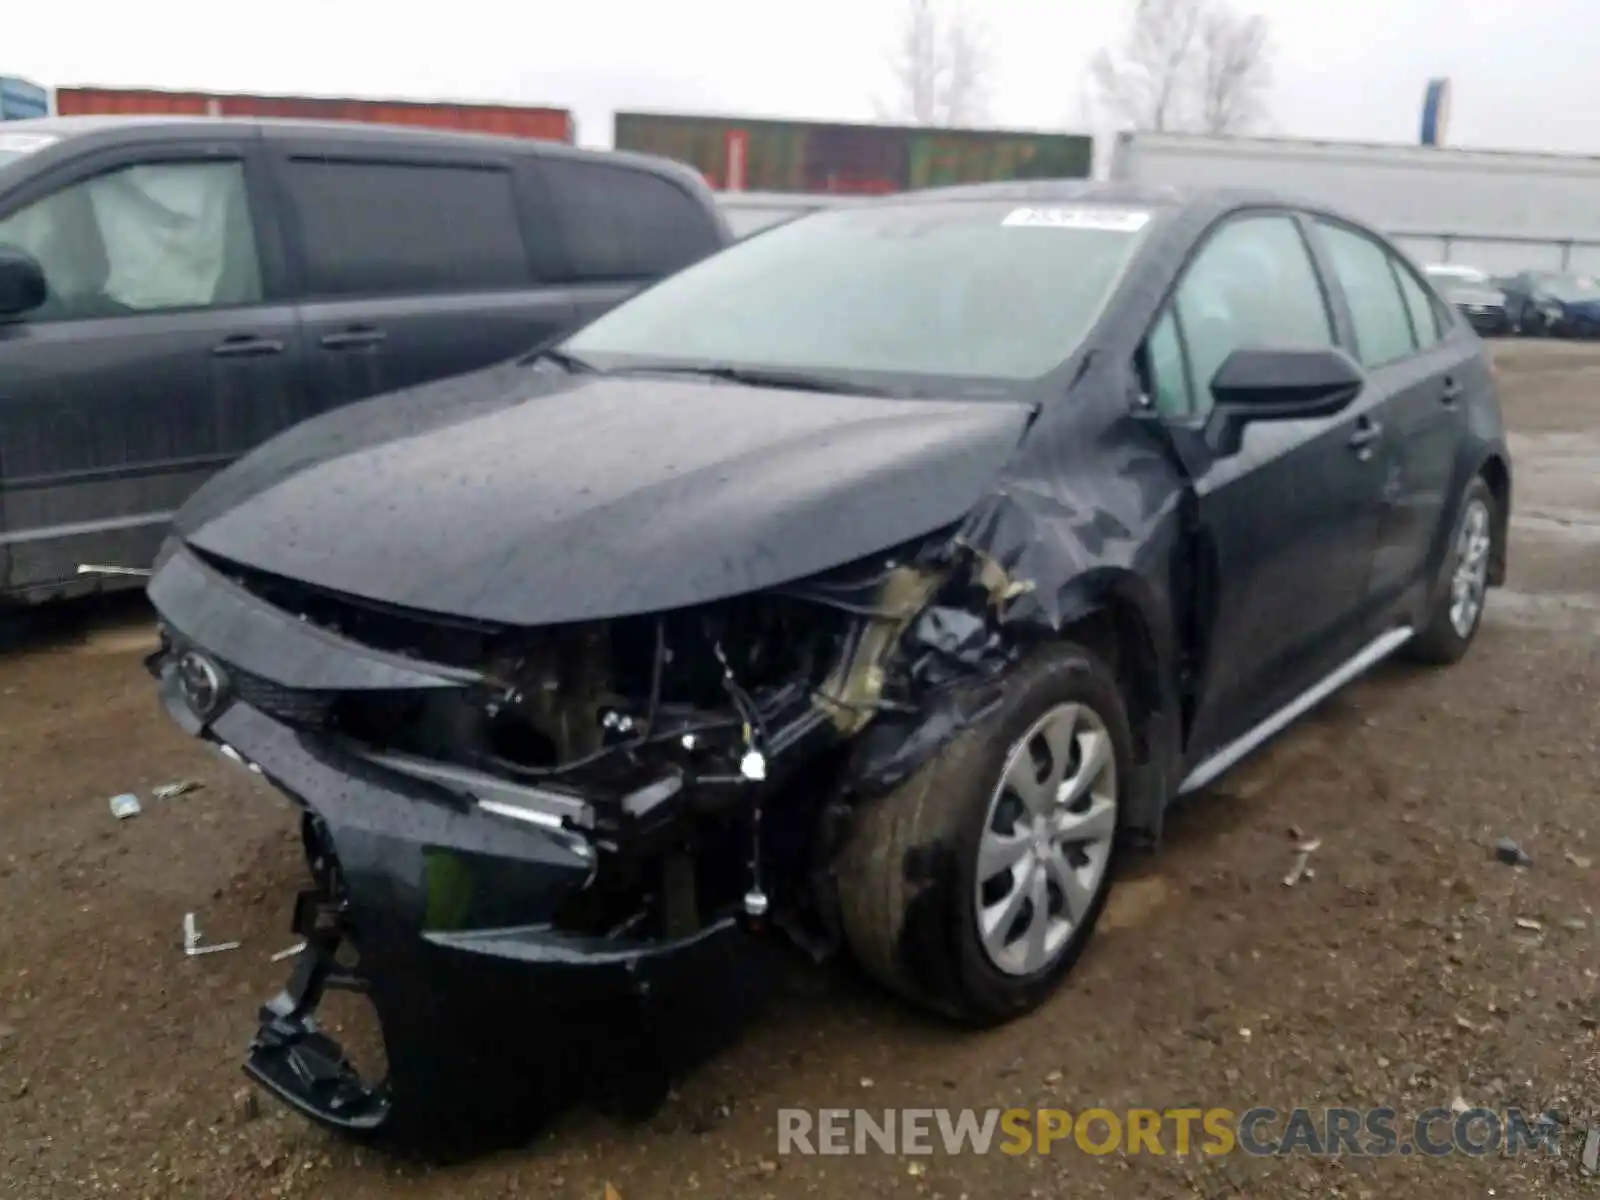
(1262, 1131)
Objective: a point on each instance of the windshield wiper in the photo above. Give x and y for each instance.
(765, 377)
(574, 364)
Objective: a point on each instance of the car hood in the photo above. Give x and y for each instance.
(513, 497)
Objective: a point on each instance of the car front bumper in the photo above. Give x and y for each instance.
(485, 1007)
(1486, 319)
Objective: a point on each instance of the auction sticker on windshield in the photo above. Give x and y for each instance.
(1111, 220)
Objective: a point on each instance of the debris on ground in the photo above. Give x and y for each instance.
(1582, 861)
(106, 569)
(291, 952)
(1513, 855)
(246, 1105)
(181, 787)
(192, 939)
(1530, 924)
(1302, 862)
(125, 806)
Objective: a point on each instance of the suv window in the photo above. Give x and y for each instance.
(1253, 283)
(621, 223)
(144, 238)
(380, 229)
(1424, 313)
(1367, 274)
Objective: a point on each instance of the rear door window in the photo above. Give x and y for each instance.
(383, 229)
(1382, 324)
(1425, 321)
(620, 223)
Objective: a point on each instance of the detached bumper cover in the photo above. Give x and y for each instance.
(450, 910)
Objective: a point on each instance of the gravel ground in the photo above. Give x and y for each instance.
(1412, 970)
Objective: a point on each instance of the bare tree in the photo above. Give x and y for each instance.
(941, 66)
(1185, 64)
(1235, 70)
(1146, 83)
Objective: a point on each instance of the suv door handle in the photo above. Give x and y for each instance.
(246, 345)
(1366, 432)
(351, 338)
(1452, 390)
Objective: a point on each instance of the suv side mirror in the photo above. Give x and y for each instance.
(1278, 384)
(22, 282)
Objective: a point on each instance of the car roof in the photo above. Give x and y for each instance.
(157, 126)
(1088, 191)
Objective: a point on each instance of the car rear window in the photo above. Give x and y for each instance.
(622, 223)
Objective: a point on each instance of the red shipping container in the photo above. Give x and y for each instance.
(506, 120)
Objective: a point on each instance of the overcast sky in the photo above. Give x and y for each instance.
(1523, 73)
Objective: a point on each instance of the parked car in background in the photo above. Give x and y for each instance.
(1554, 303)
(174, 291)
(875, 580)
(1475, 295)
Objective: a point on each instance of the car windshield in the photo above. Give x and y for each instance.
(14, 146)
(957, 290)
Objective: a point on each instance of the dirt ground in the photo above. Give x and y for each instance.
(1412, 970)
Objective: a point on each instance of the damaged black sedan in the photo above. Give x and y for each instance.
(877, 580)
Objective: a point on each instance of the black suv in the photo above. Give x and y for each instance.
(174, 291)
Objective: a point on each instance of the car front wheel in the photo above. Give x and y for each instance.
(973, 887)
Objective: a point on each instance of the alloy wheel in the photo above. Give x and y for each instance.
(1470, 579)
(1047, 839)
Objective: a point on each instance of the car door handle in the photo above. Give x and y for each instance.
(1366, 432)
(1451, 392)
(246, 345)
(351, 338)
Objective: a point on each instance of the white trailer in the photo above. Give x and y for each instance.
(1503, 211)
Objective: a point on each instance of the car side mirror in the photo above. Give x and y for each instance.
(1278, 384)
(22, 282)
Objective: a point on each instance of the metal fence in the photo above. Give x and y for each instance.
(1502, 254)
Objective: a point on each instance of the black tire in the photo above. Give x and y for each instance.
(1439, 643)
(907, 870)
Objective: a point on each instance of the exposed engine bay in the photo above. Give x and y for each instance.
(689, 764)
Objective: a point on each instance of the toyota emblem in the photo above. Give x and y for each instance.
(201, 682)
